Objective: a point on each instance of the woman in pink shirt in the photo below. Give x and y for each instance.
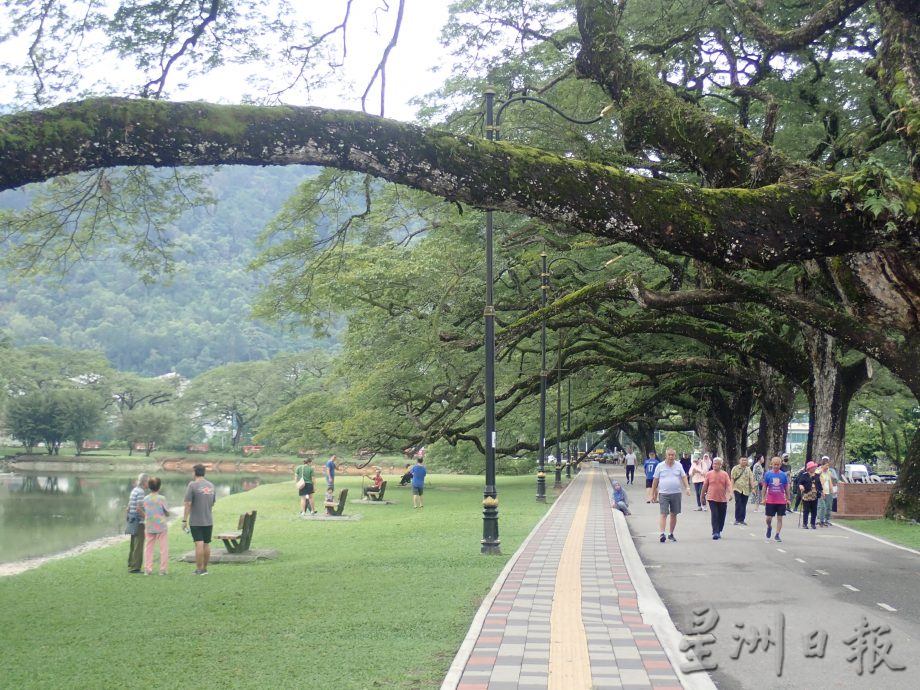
(717, 490)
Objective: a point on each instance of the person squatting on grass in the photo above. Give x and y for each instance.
(198, 518)
(717, 490)
(156, 514)
(666, 486)
(135, 517)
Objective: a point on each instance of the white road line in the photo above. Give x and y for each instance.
(653, 566)
(887, 607)
(851, 588)
(822, 572)
(799, 560)
(782, 550)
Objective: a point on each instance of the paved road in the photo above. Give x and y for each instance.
(821, 581)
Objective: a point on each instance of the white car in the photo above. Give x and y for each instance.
(856, 473)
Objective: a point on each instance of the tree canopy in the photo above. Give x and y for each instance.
(762, 161)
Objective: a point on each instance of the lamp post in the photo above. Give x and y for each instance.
(568, 432)
(490, 541)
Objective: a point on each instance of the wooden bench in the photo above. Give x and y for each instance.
(377, 494)
(336, 507)
(238, 542)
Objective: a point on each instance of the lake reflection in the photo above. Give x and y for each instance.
(41, 515)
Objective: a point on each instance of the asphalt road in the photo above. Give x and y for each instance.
(822, 582)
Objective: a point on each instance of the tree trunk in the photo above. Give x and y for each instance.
(642, 436)
(905, 499)
(776, 399)
(832, 388)
(710, 433)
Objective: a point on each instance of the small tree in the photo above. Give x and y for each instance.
(148, 425)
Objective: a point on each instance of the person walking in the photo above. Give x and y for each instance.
(742, 486)
(810, 493)
(619, 499)
(776, 493)
(305, 473)
(669, 479)
(826, 502)
(685, 462)
(757, 494)
(630, 460)
(651, 462)
(717, 491)
(699, 467)
(135, 526)
(156, 517)
(329, 471)
(198, 519)
(418, 483)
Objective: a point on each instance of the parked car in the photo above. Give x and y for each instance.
(855, 472)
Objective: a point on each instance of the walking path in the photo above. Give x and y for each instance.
(573, 609)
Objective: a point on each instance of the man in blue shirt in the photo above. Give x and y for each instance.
(651, 462)
(329, 471)
(418, 483)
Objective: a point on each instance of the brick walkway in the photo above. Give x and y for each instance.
(566, 615)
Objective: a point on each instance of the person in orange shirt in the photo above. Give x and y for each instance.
(717, 491)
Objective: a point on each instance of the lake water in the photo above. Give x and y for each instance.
(42, 515)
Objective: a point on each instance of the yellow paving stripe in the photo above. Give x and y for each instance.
(569, 667)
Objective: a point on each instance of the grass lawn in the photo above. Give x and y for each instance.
(381, 602)
(899, 532)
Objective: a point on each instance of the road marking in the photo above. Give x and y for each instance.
(653, 566)
(782, 550)
(851, 588)
(799, 560)
(822, 572)
(887, 607)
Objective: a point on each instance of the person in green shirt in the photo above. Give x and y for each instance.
(305, 472)
(742, 484)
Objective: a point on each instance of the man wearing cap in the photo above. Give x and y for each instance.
(810, 492)
(199, 500)
(826, 502)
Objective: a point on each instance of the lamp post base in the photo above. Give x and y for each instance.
(490, 541)
(558, 481)
(541, 487)
(568, 470)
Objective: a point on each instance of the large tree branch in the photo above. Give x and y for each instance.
(763, 227)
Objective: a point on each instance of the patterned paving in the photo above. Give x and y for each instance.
(567, 615)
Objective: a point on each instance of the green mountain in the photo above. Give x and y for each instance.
(195, 320)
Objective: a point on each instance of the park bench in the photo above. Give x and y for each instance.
(377, 494)
(238, 542)
(336, 507)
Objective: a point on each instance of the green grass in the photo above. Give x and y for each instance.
(381, 602)
(899, 532)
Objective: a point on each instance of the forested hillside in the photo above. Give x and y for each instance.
(193, 321)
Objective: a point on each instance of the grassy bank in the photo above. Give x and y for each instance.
(381, 602)
(899, 532)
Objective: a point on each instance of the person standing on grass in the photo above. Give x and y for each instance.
(329, 471)
(669, 479)
(136, 523)
(418, 482)
(651, 462)
(742, 485)
(630, 460)
(826, 502)
(198, 518)
(717, 491)
(156, 514)
(305, 472)
(776, 493)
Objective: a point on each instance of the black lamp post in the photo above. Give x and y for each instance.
(490, 540)
(568, 432)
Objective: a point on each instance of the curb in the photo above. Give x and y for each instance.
(652, 608)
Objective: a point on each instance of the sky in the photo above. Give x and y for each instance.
(409, 67)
